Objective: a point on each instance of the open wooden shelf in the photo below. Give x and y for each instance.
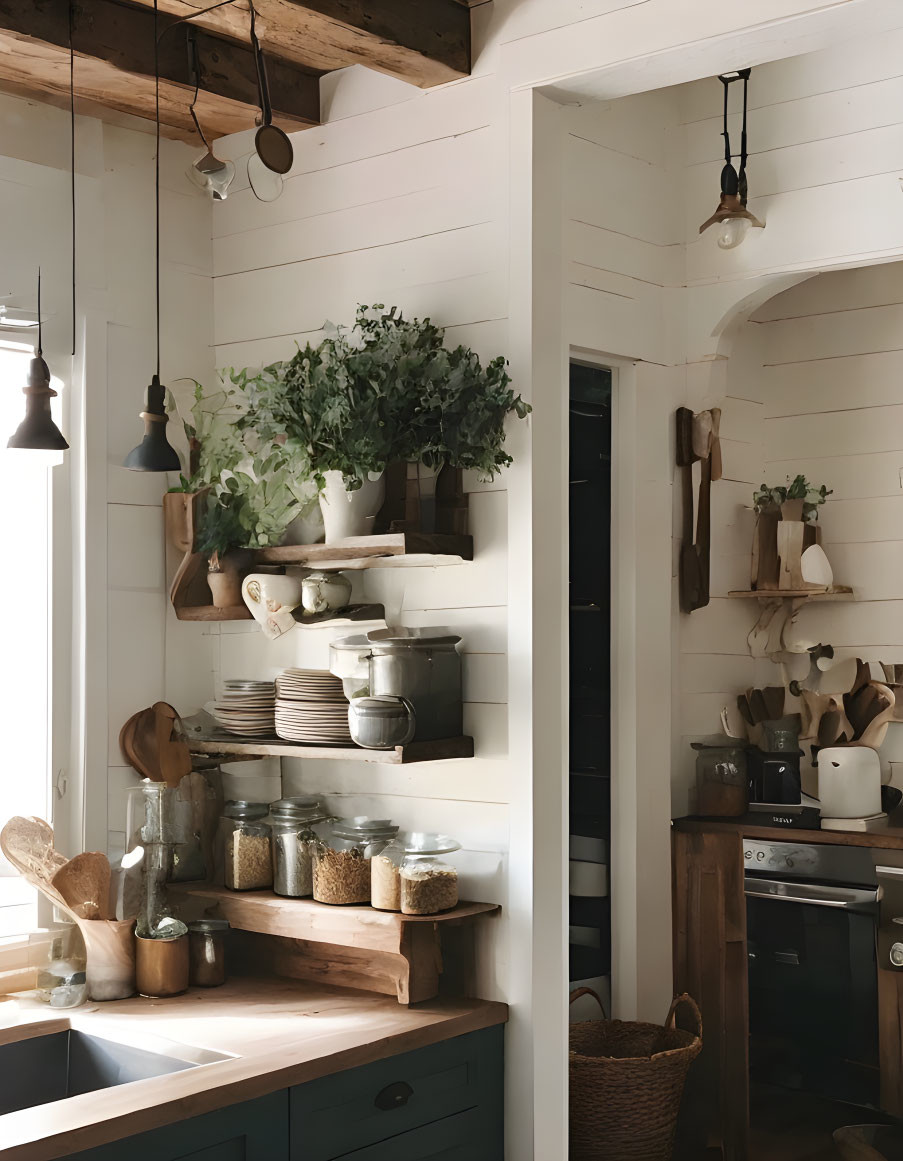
(235, 748)
(212, 613)
(834, 593)
(399, 954)
(389, 550)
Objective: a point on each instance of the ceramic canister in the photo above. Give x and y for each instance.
(849, 782)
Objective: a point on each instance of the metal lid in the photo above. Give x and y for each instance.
(384, 706)
(208, 926)
(242, 808)
(362, 827)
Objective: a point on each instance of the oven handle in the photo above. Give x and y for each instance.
(847, 898)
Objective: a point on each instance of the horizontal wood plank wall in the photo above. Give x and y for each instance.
(402, 201)
(832, 360)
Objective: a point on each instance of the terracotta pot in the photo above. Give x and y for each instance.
(225, 587)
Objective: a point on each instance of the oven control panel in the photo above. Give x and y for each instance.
(815, 862)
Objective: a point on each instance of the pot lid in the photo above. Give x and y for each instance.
(398, 636)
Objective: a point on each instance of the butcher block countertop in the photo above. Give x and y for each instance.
(889, 837)
(274, 1033)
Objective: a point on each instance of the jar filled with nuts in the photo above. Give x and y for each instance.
(342, 858)
(293, 840)
(427, 883)
(247, 853)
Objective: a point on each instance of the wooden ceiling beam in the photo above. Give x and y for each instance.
(114, 68)
(423, 42)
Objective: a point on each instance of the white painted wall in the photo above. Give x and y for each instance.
(119, 656)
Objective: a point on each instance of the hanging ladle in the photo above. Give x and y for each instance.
(209, 172)
(273, 149)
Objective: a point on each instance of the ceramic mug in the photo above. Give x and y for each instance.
(271, 599)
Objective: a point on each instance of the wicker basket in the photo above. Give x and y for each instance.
(626, 1084)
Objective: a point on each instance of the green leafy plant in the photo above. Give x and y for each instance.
(768, 499)
(220, 531)
(387, 390)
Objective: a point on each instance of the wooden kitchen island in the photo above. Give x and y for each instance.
(710, 962)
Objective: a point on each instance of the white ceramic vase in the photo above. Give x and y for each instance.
(350, 513)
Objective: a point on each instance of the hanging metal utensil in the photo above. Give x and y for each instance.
(208, 173)
(272, 144)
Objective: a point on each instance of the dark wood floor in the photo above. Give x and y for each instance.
(788, 1126)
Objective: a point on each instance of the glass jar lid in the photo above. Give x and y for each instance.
(417, 842)
(364, 829)
(302, 808)
(242, 808)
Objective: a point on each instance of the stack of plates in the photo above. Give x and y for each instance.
(311, 707)
(246, 707)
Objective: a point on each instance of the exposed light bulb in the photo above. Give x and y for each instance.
(731, 232)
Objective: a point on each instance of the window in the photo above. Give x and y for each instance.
(25, 598)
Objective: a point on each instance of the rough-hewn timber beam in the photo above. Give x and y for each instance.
(424, 42)
(114, 67)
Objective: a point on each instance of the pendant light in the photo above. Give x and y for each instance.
(732, 217)
(155, 453)
(37, 431)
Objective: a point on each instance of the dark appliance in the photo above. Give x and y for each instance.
(774, 778)
(812, 918)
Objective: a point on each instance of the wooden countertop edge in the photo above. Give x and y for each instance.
(890, 838)
(240, 1079)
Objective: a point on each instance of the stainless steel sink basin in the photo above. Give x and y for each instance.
(56, 1065)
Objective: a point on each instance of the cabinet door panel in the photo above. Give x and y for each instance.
(335, 1115)
(252, 1131)
(464, 1137)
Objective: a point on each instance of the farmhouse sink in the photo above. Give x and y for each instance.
(57, 1065)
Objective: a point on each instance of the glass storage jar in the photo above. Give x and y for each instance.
(292, 838)
(247, 850)
(342, 858)
(427, 883)
(207, 953)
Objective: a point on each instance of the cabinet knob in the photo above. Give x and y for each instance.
(394, 1096)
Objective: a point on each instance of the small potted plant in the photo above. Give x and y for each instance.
(798, 500)
(220, 534)
(786, 526)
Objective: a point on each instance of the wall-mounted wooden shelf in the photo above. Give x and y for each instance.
(400, 954)
(190, 593)
(834, 593)
(236, 748)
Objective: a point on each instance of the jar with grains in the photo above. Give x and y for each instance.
(342, 858)
(207, 953)
(427, 883)
(247, 850)
(291, 821)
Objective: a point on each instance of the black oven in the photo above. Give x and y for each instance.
(812, 917)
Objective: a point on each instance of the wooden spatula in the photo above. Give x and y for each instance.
(84, 882)
(173, 755)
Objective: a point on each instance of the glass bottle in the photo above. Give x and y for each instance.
(207, 952)
(247, 850)
(292, 838)
(342, 857)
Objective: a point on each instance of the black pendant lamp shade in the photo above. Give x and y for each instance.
(37, 431)
(154, 453)
(731, 210)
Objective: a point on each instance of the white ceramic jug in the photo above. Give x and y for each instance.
(849, 782)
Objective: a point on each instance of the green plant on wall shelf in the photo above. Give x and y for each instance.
(388, 390)
(768, 499)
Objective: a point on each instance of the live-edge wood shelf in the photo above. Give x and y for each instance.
(354, 945)
(238, 748)
(834, 593)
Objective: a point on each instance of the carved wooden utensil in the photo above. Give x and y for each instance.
(84, 882)
(173, 755)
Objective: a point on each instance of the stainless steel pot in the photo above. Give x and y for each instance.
(426, 671)
(381, 723)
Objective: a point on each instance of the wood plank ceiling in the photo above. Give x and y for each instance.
(423, 42)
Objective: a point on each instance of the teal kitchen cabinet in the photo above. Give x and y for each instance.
(444, 1102)
(438, 1103)
(251, 1131)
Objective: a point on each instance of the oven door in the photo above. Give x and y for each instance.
(813, 988)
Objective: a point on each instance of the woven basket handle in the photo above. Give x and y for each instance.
(685, 998)
(588, 992)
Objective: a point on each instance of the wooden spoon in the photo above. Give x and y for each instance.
(173, 755)
(84, 882)
(28, 844)
(139, 744)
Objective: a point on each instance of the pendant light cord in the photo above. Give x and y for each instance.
(742, 190)
(725, 133)
(157, 173)
(40, 339)
(72, 155)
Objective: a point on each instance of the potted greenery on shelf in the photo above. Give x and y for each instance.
(786, 527)
(387, 390)
(798, 500)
